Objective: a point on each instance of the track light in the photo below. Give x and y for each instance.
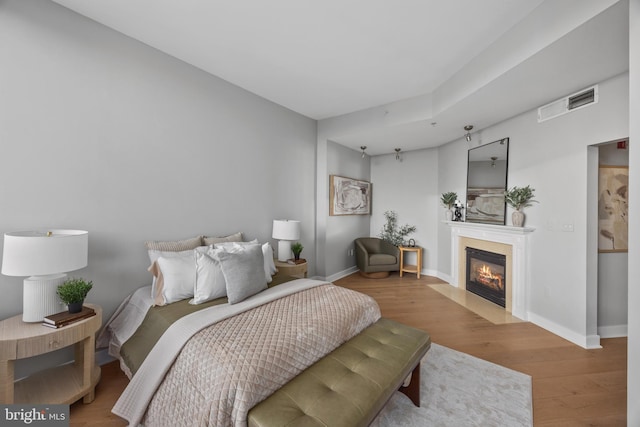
(468, 134)
(398, 153)
(493, 161)
(363, 147)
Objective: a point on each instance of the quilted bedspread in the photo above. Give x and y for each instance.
(227, 368)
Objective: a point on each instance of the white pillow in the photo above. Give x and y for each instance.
(227, 245)
(210, 283)
(269, 265)
(179, 275)
(154, 254)
(243, 269)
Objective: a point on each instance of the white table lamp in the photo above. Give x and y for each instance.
(45, 257)
(285, 231)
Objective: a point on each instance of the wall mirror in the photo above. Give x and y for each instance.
(487, 169)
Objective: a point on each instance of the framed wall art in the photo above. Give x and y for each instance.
(349, 196)
(613, 208)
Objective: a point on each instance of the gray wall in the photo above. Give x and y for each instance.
(102, 133)
(552, 158)
(342, 230)
(409, 187)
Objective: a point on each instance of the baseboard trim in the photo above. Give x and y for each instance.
(615, 331)
(585, 341)
(340, 274)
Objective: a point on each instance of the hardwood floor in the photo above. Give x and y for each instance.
(571, 386)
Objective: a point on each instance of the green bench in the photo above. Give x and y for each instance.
(349, 386)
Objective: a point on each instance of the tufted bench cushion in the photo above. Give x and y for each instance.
(350, 385)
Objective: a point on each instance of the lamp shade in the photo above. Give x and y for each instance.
(38, 253)
(286, 229)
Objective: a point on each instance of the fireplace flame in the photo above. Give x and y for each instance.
(485, 276)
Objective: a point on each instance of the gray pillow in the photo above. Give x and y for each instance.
(243, 270)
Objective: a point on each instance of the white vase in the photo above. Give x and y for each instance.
(448, 214)
(517, 218)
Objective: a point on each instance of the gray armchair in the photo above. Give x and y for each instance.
(375, 257)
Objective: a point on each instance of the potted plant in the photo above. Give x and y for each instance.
(518, 198)
(296, 248)
(390, 231)
(448, 200)
(73, 292)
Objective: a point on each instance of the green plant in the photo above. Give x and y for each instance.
(390, 231)
(296, 248)
(519, 197)
(74, 290)
(448, 199)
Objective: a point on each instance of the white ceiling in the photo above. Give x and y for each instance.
(332, 57)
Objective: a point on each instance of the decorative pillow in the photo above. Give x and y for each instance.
(175, 246)
(156, 291)
(178, 278)
(269, 266)
(267, 253)
(236, 237)
(157, 285)
(243, 272)
(210, 283)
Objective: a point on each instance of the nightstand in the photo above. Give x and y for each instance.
(411, 268)
(59, 385)
(294, 270)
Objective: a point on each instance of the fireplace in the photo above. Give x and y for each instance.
(486, 275)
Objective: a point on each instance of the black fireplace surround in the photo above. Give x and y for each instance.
(486, 275)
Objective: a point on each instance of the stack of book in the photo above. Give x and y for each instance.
(65, 318)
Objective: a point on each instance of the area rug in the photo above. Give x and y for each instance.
(461, 390)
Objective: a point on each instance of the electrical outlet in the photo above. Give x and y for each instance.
(567, 227)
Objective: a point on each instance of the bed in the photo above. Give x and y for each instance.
(209, 363)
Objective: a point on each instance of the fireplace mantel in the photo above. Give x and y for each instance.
(491, 228)
(516, 237)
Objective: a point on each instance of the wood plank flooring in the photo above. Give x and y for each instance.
(571, 386)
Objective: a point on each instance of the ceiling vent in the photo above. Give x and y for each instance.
(569, 103)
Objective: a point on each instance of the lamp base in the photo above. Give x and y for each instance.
(39, 297)
(284, 250)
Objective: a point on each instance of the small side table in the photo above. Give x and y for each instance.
(59, 385)
(294, 270)
(410, 268)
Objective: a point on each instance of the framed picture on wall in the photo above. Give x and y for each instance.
(349, 196)
(613, 208)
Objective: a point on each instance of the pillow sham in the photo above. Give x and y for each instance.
(210, 283)
(243, 270)
(174, 246)
(269, 265)
(156, 291)
(178, 278)
(236, 237)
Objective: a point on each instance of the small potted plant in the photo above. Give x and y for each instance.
(448, 200)
(73, 292)
(296, 248)
(518, 198)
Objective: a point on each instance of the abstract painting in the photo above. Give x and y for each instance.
(348, 196)
(613, 208)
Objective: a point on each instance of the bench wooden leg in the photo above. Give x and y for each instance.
(413, 389)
